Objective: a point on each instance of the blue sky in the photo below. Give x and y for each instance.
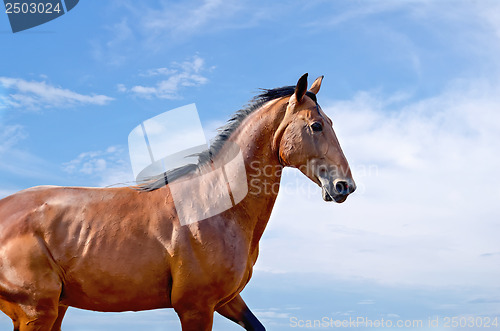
(412, 87)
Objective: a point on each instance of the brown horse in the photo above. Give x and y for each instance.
(120, 249)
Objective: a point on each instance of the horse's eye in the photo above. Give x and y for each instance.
(316, 126)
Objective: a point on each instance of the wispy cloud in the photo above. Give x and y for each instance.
(366, 302)
(271, 314)
(19, 162)
(40, 94)
(180, 75)
(103, 167)
(14, 160)
(114, 50)
(490, 11)
(274, 317)
(353, 12)
(10, 135)
(189, 17)
(158, 25)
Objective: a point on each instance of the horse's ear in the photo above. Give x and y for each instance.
(301, 88)
(316, 85)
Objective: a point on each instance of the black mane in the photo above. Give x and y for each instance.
(216, 144)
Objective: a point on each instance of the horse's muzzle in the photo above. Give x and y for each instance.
(337, 190)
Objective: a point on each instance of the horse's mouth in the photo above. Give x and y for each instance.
(328, 197)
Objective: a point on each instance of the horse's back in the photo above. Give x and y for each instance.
(25, 209)
(15, 208)
(105, 242)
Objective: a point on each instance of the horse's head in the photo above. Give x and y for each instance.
(306, 140)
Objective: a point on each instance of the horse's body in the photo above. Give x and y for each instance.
(119, 249)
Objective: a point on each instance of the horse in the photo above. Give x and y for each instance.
(124, 248)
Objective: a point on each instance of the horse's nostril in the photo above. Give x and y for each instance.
(342, 187)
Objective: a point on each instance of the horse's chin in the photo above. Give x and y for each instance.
(328, 197)
(340, 198)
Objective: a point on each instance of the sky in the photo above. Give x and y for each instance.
(413, 90)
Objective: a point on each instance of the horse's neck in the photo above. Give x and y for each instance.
(254, 137)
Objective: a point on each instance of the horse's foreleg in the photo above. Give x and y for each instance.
(60, 315)
(196, 320)
(30, 284)
(237, 311)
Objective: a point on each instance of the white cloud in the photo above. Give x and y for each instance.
(366, 302)
(122, 33)
(425, 214)
(273, 318)
(465, 29)
(157, 26)
(184, 18)
(40, 94)
(16, 161)
(10, 135)
(359, 13)
(195, 17)
(158, 71)
(102, 168)
(271, 314)
(490, 11)
(185, 74)
(19, 162)
(121, 88)
(114, 51)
